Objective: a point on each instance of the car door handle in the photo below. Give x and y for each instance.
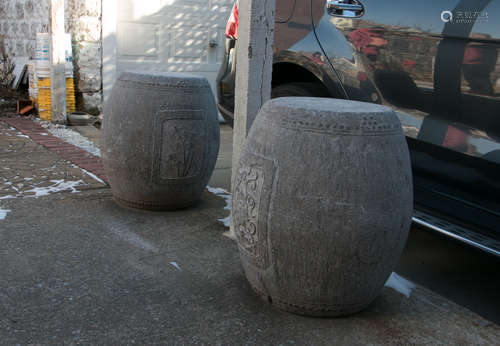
(345, 8)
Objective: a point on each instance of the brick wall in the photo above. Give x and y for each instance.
(21, 20)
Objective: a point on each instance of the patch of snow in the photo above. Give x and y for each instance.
(3, 213)
(226, 221)
(59, 185)
(400, 284)
(71, 137)
(221, 193)
(90, 174)
(7, 197)
(227, 197)
(8, 183)
(18, 133)
(176, 266)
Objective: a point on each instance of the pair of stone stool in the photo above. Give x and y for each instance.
(322, 196)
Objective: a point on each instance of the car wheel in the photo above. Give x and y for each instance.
(299, 89)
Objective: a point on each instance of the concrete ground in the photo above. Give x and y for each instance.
(27, 168)
(78, 269)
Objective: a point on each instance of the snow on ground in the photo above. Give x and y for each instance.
(3, 213)
(400, 284)
(226, 221)
(227, 196)
(57, 186)
(93, 176)
(90, 174)
(18, 133)
(176, 266)
(70, 136)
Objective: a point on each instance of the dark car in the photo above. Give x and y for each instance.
(436, 63)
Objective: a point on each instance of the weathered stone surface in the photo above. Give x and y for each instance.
(322, 203)
(20, 20)
(84, 7)
(89, 54)
(89, 80)
(84, 23)
(161, 139)
(80, 119)
(20, 49)
(91, 102)
(30, 48)
(19, 11)
(29, 8)
(86, 28)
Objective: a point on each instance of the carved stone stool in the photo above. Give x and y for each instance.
(161, 139)
(322, 203)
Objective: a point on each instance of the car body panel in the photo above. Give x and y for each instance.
(297, 46)
(442, 79)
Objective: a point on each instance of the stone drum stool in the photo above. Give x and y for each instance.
(322, 203)
(161, 139)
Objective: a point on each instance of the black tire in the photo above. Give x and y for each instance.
(299, 89)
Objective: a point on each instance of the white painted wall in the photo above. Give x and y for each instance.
(163, 35)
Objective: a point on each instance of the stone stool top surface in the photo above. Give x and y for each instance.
(328, 105)
(333, 116)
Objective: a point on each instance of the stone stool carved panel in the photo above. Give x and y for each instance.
(161, 139)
